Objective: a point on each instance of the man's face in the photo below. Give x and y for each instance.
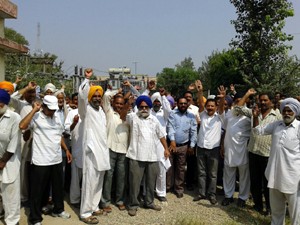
(144, 110)
(156, 105)
(60, 100)
(226, 106)
(96, 100)
(118, 104)
(48, 112)
(288, 115)
(211, 107)
(3, 108)
(29, 96)
(277, 97)
(189, 98)
(49, 92)
(265, 102)
(75, 100)
(182, 105)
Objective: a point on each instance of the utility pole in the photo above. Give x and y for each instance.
(135, 67)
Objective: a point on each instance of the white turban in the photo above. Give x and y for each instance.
(59, 92)
(292, 103)
(50, 87)
(155, 96)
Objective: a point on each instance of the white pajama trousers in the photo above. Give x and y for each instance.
(11, 201)
(278, 207)
(229, 179)
(76, 176)
(161, 181)
(92, 182)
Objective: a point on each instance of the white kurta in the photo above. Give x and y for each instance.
(238, 130)
(95, 152)
(10, 141)
(283, 169)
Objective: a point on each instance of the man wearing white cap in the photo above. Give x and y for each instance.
(161, 110)
(283, 169)
(46, 160)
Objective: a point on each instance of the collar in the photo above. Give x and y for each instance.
(293, 124)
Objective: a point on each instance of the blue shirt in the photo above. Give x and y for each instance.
(182, 127)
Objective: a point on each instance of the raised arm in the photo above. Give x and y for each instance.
(221, 96)
(199, 88)
(83, 93)
(27, 119)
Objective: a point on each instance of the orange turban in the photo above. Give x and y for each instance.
(8, 86)
(92, 91)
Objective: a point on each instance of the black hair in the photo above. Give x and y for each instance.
(74, 95)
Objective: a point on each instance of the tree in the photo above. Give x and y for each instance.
(42, 69)
(176, 80)
(220, 68)
(260, 42)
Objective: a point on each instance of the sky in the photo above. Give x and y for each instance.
(145, 36)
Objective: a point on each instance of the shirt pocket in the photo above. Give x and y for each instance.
(292, 144)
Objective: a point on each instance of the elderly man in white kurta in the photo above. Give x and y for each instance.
(10, 154)
(283, 169)
(238, 129)
(145, 130)
(73, 127)
(95, 150)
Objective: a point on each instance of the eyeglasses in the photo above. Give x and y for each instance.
(143, 107)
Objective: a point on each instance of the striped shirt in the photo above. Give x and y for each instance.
(259, 144)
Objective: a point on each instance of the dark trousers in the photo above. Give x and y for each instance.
(138, 170)
(118, 170)
(191, 170)
(40, 176)
(207, 162)
(175, 175)
(258, 181)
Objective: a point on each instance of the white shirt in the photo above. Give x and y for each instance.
(46, 143)
(238, 130)
(10, 141)
(195, 110)
(209, 135)
(162, 115)
(76, 137)
(94, 131)
(144, 134)
(21, 106)
(117, 129)
(283, 169)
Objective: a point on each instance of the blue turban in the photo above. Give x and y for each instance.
(4, 97)
(292, 103)
(143, 98)
(228, 100)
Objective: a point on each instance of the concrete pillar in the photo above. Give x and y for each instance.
(2, 64)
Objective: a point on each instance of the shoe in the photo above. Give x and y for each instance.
(38, 223)
(227, 201)
(107, 209)
(258, 209)
(179, 195)
(132, 212)
(63, 215)
(122, 207)
(198, 198)
(100, 212)
(162, 199)
(213, 200)
(90, 220)
(154, 207)
(46, 210)
(241, 203)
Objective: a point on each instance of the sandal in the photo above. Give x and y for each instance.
(90, 220)
(100, 212)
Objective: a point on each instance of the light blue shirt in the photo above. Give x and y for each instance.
(182, 127)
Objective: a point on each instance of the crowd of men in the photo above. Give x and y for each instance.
(128, 148)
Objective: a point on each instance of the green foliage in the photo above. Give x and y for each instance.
(220, 68)
(176, 80)
(42, 69)
(260, 42)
